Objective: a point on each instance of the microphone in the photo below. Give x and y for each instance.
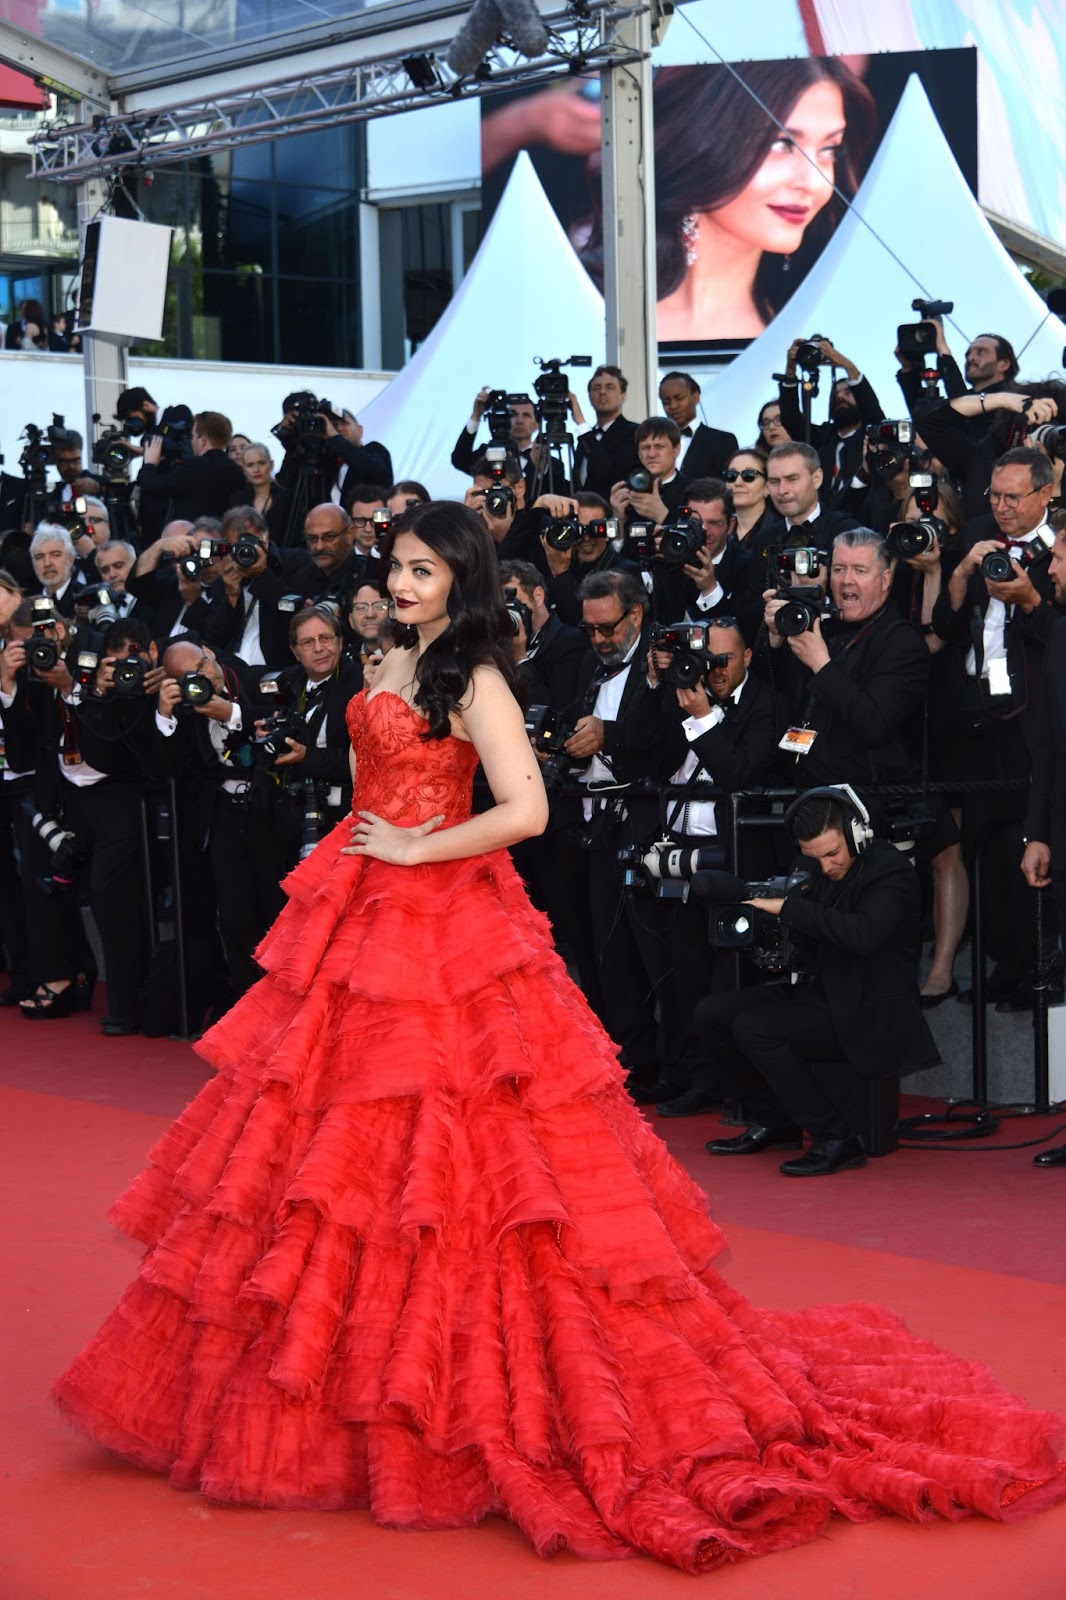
(487, 22)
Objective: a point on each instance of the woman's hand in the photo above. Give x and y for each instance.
(373, 836)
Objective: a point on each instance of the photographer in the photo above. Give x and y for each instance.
(996, 624)
(67, 448)
(522, 432)
(366, 614)
(96, 743)
(54, 566)
(852, 404)
(656, 489)
(330, 563)
(88, 531)
(970, 433)
(169, 597)
(852, 684)
(200, 730)
(498, 495)
(567, 569)
(800, 521)
(795, 1055)
(205, 485)
(300, 768)
(250, 602)
(606, 451)
(115, 561)
(705, 451)
(723, 732)
(990, 363)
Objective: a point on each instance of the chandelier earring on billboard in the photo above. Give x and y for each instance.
(690, 238)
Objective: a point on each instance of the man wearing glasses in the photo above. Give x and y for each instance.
(330, 563)
(365, 615)
(996, 630)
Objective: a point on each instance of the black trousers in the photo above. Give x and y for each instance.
(993, 823)
(58, 947)
(776, 1051)
(671, 938)
(248, 860)
(556, 874)
(13, 932)
(107, 816)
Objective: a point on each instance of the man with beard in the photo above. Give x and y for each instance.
(852, 404)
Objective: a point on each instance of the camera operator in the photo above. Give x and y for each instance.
(1004, 418)
(54, 566)
(853, 686)
(206, 484)
(338, 455)
(551, 653)
(852, 404)
(67, 448)
(606, 451)
(115, 561)
(723, 732)
(795, 1055)
(567, 569)
(97, 741)
(990, 363)
(513, 525)
(996, 626)
(657, 488)
(705, 451)
(170, 598)
(201, 730)
(250, 601)
(521, 443)
(137, 412)
(300, 779)
(1044, 860)
(793, 481)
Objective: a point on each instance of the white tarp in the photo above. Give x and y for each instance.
(915, 198)
(526, 294)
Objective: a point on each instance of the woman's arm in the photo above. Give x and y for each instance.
(493, 719)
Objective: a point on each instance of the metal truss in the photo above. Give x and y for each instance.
(587, 36)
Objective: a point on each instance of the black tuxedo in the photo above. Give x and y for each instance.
(1045, 817)
(366, 463)
(160, 605)
(328, 764)
(839, 465)
(709, 453)
(467, 452)
(225, 625)
(199, 486)
(552, 671)
(600, 463)
(968, 446)
(740, 751)
(305, 577)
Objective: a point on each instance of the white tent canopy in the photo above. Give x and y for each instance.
(914, 198)
(526, 294)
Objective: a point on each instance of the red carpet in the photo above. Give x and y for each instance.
(967, 1247)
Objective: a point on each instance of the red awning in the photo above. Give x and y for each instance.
(19, 93)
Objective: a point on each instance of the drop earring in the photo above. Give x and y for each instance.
(690, 237)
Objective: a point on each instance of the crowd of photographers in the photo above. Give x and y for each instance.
(863, 601)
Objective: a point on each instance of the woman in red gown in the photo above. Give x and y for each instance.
(413, 1248)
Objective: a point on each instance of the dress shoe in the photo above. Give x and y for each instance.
(928, 1001)
(119, 1027)
(649, 1093)
(756, 1138)
(826, 1156)
(690, 1104)
(1051, 1158)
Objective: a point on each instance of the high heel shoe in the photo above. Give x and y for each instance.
(83, 987)
(46, 1004)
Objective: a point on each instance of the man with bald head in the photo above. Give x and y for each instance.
(168, 598)
(330, 563)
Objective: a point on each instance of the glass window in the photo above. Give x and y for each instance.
(317, 232)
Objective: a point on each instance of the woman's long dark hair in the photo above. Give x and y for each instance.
(479, 632)
(711, 137)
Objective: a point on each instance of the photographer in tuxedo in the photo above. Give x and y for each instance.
(250, 600)
(606, 451)
(705, 451)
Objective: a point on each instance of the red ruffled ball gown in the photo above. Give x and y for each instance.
(413, 1248)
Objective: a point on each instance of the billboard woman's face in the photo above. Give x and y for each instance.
(795, 180)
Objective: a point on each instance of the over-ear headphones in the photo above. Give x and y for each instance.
(858, 829)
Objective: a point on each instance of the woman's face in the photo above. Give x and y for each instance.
(420, 582)
(750, 491)
(795, 180)
(257, 466)
(771, 427)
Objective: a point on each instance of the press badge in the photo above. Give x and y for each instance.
(798, 741)
(998, 676)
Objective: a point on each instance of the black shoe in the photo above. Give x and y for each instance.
(649, 1093)
(928, 1001)
(15, 993)
(47, 1004)
(754, 1139)
(1021, 998)
(690, 1104)
(1051, 1158)
(119, 1027)
(826, 1156)
(998, 986)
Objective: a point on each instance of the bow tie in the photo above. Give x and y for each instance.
(798, 527)
(686, 433)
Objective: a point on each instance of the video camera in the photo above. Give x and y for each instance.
(917, 340)
(553, 395)
(498, 414)
(39, 451)
(736, 926)
(302, 429)
(690, 660)
(174, 428)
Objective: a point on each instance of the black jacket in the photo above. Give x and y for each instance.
(708, 454)
(1045, 817)
(224, 624)
(328, 765)
(601, 463)
(114, 735)
(159, 602)
(867, 935)
(551, 673)
(200, 486)
(865, 704)
(826, 439)
(467, 452)
(366, 463)
(740, 751)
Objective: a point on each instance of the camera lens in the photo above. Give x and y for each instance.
(639, 480)
(793, 619)
(685, 670)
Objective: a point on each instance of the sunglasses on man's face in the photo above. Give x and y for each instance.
(747, 474)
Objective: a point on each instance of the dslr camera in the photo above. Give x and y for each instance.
(637, 542)
(499, 496)
(682, 536)
(542, 727)
(997, 567)
(690, 660)
(906, 539)
(794, 561)
(519, 613)
(809, 355)
(890, 446)
(42, 653)
(196, 690)
(498, 415)
(664, 870)
(805, 604)
(281, 723)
